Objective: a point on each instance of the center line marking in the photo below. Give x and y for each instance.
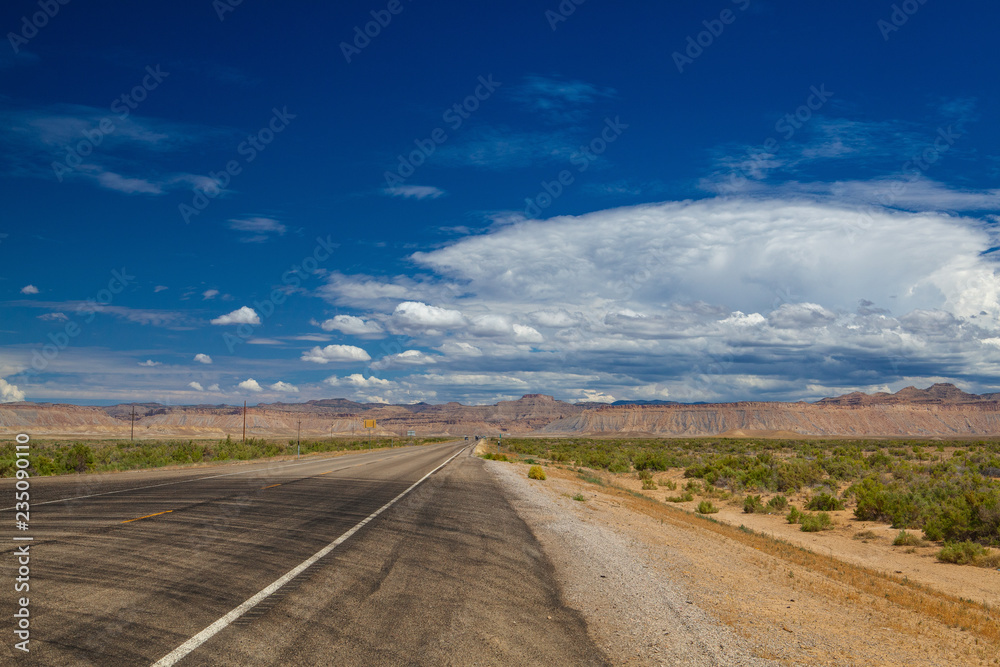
(191, 644)
(270, 487)
(147, 516)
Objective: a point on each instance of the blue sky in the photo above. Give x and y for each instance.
(731, 200)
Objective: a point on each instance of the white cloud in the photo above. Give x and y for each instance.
(260, 229)
(196, 386)
(284, 387)
(250, 385)
(203, 358)
(800, 316)
(54, 317)
(359, 381)
(719, 298)
(244, 315)
(9, 393)
(335, 353)
(405, 358)
(160, 288)
(415, 317)
(209, 294)
(29, 289)
(149, 363)
(414, 191)
(214, 387)
(353, 326)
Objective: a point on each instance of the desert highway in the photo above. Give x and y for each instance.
(283, 563)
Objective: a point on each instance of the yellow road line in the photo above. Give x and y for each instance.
(147, 516)
(269, 487)
(326, 473)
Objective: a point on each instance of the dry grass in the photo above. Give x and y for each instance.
(976, 618)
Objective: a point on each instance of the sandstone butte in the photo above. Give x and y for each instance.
(942, 410)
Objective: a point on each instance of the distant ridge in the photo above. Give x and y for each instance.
(941, 410)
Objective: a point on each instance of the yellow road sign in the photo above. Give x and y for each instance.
(369, 423)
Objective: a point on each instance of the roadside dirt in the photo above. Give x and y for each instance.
(710, 593)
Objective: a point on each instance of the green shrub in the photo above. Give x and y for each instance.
(649, 485)
(753, 505)
(496, 457)
(777, 504)
(961, 553)
(825, 502)
(794, 516)
(686, 498)
(813, 523)
(706, 507)
(905, 539)
(579, 498)
(536, 472)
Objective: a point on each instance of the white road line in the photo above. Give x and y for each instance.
(209, 632)
(196, 479)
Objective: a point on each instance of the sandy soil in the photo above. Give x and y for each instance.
(785, 605)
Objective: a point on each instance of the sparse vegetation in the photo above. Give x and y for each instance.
(706, 507)
(825, 502)
(866, 536)
(968, 553)
(950, 493)
(813, 523)
(53, 457)
(753, 505)
(905, 539)
(579, 498)
(490, 456)
(536, 472)
(777, 504)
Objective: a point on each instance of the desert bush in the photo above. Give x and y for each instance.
(686, 498)
(670, 484)
(706, 507)
(813, 523)
(905, 539)
(536, 472)
(579, 498)
(649, 485)
(753, 505)
(777, 504)
(496, 457)
(794, 516)
(825, 502)
(961, 553)
(866, 535)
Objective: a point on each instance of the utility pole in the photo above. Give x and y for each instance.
(132, 436)
(244, 421)
(298, 442)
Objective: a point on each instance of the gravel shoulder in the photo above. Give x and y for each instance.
(658, 586)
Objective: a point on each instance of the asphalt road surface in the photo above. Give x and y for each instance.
(266, 564)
